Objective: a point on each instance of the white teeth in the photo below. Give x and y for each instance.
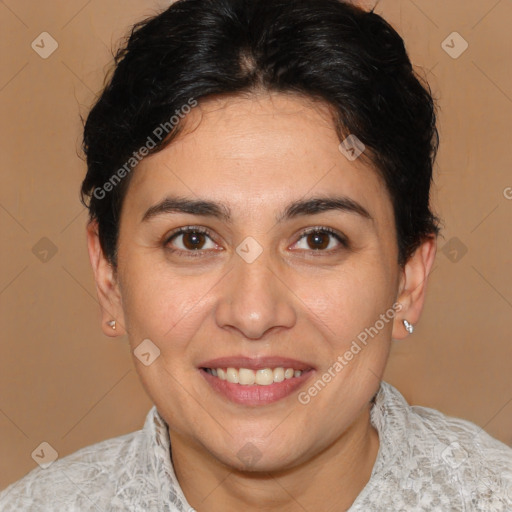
(264, 377)
(232, 375)
(248, 377)
(278, 374)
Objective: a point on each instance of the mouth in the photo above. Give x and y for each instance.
(249, 377)
(255, 381)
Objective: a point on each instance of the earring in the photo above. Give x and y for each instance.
(112, 323)
(408, 327)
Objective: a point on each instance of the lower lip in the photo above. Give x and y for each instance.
(256, 394)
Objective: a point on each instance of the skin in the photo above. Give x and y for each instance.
(257, 154)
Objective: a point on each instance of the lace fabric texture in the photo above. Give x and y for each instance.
(426, 462)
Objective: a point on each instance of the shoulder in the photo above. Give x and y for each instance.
(84, 480)
(459, 442)
(432, 454)
(478, 465)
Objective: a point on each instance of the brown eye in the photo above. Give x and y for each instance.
(193, 240)
(190, 240)
(322, 240)
(318, 240)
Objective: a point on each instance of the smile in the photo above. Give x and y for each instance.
(276, 383)
(248, 377)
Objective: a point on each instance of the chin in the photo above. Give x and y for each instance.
(251, 459)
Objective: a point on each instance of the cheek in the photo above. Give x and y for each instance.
(353, 299)
(160, 305)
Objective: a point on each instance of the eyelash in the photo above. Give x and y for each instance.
(201, 252)
(181, 231)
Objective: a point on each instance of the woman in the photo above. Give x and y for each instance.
(258, 185)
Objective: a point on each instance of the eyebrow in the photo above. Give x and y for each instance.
(221, 211)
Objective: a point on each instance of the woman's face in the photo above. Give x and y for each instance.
(251, 282)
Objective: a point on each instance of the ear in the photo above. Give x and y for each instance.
(107, 287)
(413, 286)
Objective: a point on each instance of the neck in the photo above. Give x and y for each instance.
(329, 480)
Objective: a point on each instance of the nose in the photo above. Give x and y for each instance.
(255, 300)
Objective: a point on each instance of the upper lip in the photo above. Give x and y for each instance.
(255, 363)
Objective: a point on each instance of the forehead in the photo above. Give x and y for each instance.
(261, 151)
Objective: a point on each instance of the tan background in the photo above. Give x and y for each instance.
(63, 382)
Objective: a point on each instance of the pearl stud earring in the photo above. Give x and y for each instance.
(408, 327)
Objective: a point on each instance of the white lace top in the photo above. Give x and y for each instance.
(426, 462)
